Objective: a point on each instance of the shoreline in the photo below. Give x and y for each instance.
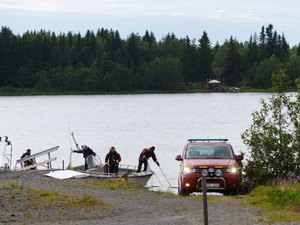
(32, 92)
(27, 198)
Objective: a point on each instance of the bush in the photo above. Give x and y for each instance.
(273, 138)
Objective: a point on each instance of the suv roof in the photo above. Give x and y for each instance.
(207, 139)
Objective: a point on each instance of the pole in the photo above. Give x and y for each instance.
(204, 195)
(155, 175)
(75, 141)
(165, 177)
(70, 163)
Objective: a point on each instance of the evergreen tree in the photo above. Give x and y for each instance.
(188, 59)
(205, 58)
(270, 39)
(42, 57)
(284, 54)
(232, 70)
(252, 53)
(262, 44)
(133, 50)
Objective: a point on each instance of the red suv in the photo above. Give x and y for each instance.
(212, 158)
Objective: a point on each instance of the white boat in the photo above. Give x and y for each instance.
(96, 169)
(126, 172)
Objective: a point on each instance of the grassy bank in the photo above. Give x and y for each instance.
(273, 204)
(279, 203)
(83, 199)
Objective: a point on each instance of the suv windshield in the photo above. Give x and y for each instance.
(208, 151)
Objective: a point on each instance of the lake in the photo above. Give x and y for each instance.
(128, 122)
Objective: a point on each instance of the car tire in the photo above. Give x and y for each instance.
(181, 191)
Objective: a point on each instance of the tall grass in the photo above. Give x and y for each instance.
(49, 198)
(281, 202)
(278, 196)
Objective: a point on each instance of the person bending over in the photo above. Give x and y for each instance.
(86, 151)
(144, 156)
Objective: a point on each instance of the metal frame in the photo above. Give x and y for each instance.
(7, 154)
(34, 156)
(212, 178)
(207, 139)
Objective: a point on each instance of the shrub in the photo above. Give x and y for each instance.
(273, 139)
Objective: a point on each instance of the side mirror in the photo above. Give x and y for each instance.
(178, 158)
(239, 157)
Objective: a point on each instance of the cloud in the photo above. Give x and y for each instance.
(229, 10)
(117, 7)
(234, 16)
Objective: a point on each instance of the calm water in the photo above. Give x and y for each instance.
(128, 122)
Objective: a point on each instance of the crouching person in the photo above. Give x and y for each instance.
(28, 162)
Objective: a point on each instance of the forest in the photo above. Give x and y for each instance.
(102, 62)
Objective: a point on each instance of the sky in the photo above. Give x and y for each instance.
(221, 19)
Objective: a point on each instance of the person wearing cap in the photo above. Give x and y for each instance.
(28, 162)
(86, 151)
(144, 156)
(112, 160)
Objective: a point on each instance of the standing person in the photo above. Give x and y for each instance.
(86, 153)
(28, 162)
(112, 160)
(144, 156)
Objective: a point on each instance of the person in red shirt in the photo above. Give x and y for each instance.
(112, 160)
(144, 156)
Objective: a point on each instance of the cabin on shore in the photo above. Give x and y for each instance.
(215, 85)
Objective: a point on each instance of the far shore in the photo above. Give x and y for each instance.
(31, 92)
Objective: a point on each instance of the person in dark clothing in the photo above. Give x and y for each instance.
(28, 162)
(144, 156)
(112, 160)
(86, 153)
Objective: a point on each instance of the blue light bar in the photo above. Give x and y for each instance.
(207, 139)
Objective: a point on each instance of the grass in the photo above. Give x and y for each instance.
(51, 199)
(113, 184)
(279, 203)
(276, 203)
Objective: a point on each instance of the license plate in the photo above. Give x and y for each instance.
(212, 185)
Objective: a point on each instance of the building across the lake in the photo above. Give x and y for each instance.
(215, 85)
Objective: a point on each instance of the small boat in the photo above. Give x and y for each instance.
(96, 169)
(126, 172)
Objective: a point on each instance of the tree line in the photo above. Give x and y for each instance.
(102, 61)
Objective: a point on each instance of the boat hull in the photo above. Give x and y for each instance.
(128, 173)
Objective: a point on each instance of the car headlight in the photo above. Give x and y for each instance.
(232, 169)
(187, 169)
(218, 173)
(204, 173)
